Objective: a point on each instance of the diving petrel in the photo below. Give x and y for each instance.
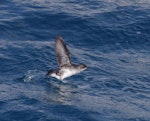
(66, 68)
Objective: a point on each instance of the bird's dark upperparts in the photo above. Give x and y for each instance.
(66, 68)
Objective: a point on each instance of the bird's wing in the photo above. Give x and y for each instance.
(62, 53)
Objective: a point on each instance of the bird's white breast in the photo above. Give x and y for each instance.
(67, 73)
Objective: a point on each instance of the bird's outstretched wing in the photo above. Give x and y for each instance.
(62, 53)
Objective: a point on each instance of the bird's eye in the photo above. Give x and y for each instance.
(83, 66)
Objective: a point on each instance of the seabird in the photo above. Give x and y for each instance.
(66, 68)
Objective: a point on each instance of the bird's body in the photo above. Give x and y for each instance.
(64, 72)
(66, 68)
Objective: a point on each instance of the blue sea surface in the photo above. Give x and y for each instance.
(112, 37)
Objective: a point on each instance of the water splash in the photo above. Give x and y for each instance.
(33, 75)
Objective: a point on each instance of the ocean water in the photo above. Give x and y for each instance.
(111, 37)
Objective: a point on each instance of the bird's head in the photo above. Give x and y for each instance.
(82, 67)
